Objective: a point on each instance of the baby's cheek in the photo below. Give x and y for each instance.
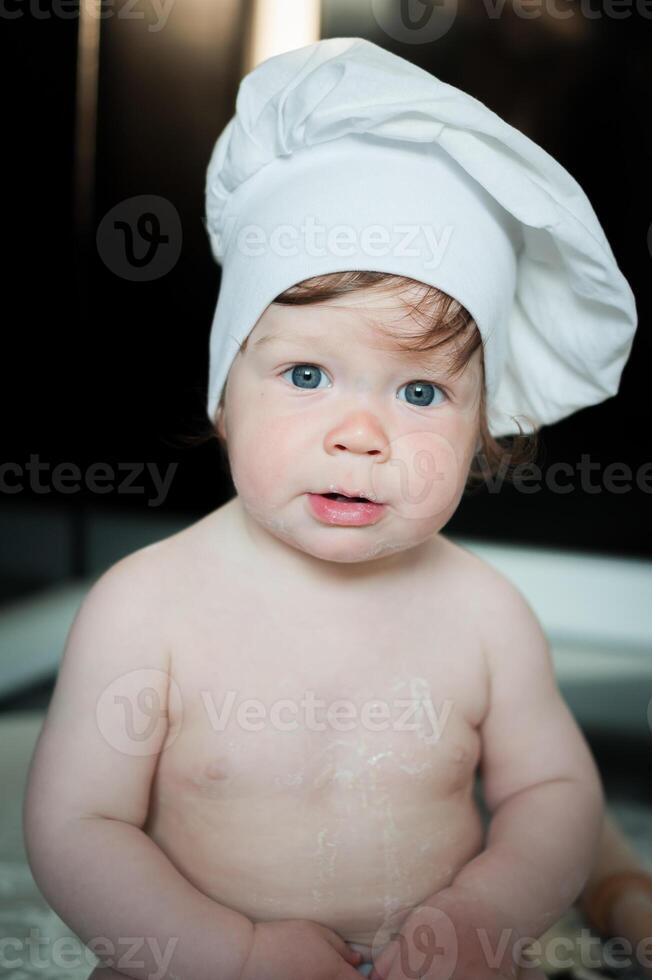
(427, 476)
(266, 461)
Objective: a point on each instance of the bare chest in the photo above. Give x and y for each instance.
(323, 700)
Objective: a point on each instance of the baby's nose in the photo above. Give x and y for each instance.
(359, 432)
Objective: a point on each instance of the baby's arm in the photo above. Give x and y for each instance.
(88, 793)
(540, 781)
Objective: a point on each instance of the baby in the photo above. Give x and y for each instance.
(260, 757)
(337, 672)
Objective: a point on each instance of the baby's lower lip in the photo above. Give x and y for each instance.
(352, 513)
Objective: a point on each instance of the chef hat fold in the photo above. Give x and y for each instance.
(343, 156)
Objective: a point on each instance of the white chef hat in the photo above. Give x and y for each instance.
(343, 156)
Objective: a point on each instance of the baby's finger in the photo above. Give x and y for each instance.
(350, 955)
(353, 956)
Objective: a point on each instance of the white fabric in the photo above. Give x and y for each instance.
(343, 133)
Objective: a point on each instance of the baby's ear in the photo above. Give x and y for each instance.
(219, 421)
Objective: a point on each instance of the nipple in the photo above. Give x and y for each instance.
(215, 770)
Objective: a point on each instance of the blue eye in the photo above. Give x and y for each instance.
(423, 392)
(305, 375)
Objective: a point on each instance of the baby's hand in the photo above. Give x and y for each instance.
(460, 938)
(299, 949)
(631, 919)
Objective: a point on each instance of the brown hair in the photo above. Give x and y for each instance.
(441, 320)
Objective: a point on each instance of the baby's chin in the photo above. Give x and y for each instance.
(352, 555)
(341, 545)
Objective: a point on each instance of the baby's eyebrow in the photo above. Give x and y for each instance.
(432, 358)
(270, 338)
(290, 339)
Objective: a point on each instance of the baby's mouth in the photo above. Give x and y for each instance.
(332, 507)
(341, 496)
(359, 495)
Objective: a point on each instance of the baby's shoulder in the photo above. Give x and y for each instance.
(508, 627)
(152, 575)
(469, 569)
(490, 592)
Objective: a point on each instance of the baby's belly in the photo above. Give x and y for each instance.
(353, 842)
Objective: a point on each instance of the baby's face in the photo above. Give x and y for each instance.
(320, 400)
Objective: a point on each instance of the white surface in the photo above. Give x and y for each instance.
(592, 598)
(33, 634)
(597, 614)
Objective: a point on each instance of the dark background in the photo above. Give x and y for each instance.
(117, 372)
